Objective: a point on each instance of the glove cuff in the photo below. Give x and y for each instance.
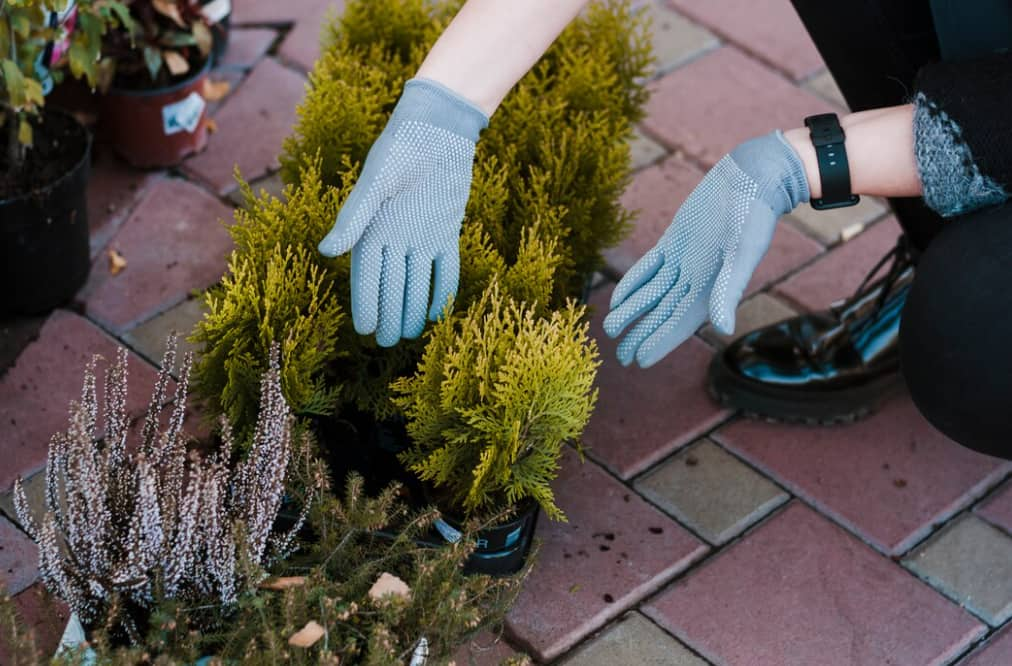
(430, 102)
(776, 169)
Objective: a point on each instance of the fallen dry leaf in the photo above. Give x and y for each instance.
(389, 584)
(215, 90)
(283, 583)
(169, 8)
(175, 62)
(117, 262)
(308, 635)
(212, 126)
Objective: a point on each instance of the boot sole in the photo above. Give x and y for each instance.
(777, 404)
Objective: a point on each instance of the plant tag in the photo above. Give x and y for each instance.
(448, 532)
(217, 10)
(184, 115)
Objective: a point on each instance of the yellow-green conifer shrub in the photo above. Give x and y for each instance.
(496, 396)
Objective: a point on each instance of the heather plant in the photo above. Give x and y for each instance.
(122, 530)
(330, 583)
(497, 394)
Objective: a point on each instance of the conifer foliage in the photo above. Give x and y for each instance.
(489, 410)
(543, 205)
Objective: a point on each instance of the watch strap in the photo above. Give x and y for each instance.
(834, 169)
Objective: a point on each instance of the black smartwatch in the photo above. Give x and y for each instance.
(834, 170)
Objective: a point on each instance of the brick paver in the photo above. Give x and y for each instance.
(42, 614)
(789, 250)
(173, 243)
(656, 193)
(644, 151)
(114, 188)
(149, 338)
(35, 393)
(970, 562)
(614, 550)
(830, 226)
(998, 508)
(717, 101)
(800, 591)
(841, 271)
(643, 415)
(252, 124)
(246, 47)
(890, 477)
(633, 640)
(711, 491)
(997, 651)
(675, 38)
(19, 559)
(757, 312)
(824, 85)
(770, 29)
(485, 649)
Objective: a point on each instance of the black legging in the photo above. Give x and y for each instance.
(956, 328)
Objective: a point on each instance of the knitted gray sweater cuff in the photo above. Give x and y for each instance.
(953, 183)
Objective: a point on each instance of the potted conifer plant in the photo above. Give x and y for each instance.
(498, 393)
(45, 153)
(158, 60)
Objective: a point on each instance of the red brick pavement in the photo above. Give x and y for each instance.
(816, 583)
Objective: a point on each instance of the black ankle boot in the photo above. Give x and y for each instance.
(828, 367)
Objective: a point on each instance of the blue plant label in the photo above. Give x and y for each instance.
(184, 115)
(448, 531)
(512, 537)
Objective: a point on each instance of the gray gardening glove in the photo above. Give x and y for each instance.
(402, 219)
(700, 267)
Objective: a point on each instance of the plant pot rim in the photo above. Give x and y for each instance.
(164, 90)
(78, 163)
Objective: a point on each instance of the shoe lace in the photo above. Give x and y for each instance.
(902, 256)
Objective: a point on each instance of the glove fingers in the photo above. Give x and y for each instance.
(366, 264)
(391, 298)
(641, 272)
(447, 273)
(416, 295)
(630, 344)
(358, 210)
(642, 300)
(688, 316)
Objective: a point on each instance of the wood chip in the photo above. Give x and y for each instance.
(117, 262)
(212, 126)
(308, 635)
(283, 583)
(389, 584)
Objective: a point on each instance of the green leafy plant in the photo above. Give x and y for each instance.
(26, 40)
(497, 394)
(160, 42)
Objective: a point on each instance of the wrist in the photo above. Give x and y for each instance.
(880, 153)
(431, 102)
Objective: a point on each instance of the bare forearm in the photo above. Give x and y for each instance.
(491, 44)
(880, 150)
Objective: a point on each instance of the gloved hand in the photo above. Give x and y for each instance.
(402, 219)
(703, 262)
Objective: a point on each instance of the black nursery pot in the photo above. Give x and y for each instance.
(44, 254)
(499, 550)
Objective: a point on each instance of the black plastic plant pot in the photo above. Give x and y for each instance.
(44, 254)
(499, 550)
